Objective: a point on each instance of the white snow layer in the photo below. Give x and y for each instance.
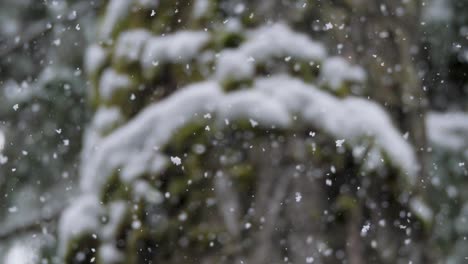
(438, 11)
(181, 46)
(117, 10)
(104, 120)
(148, 3)
(264, 43)
(278, 40)
(134, 148)
(336, 70)
(200, 8)
(109, 254)
(82, 216)
(235, 65)
(130, 44)
(17, 93)
(95, 57)
(112, 81)
(116, 213)
(2, 141)
(22, 253)
(136, 144)
(421, 209)
(448, 130)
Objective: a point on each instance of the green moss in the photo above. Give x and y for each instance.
(115, 189)
(346, 203)
(194, 167)
(202, 238)
(121, 98)
(304, 70)
(186, 73)
(343, 91)
(193, 132)
(242, 171)
(231, 40)
(131, 68)
(233, 85)
(244, 174)
(171, 15)
(173, 75)
(177, 186)
(155, 72)
(250, 19)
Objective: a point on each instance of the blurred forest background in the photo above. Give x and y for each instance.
(233, 131)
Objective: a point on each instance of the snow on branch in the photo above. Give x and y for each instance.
(271, 102)
(448, 130)
(264, 43)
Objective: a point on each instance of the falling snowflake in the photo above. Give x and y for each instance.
(298, 197)
(176, 160)
(339, 143)
(253, 122)
(365, 228)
